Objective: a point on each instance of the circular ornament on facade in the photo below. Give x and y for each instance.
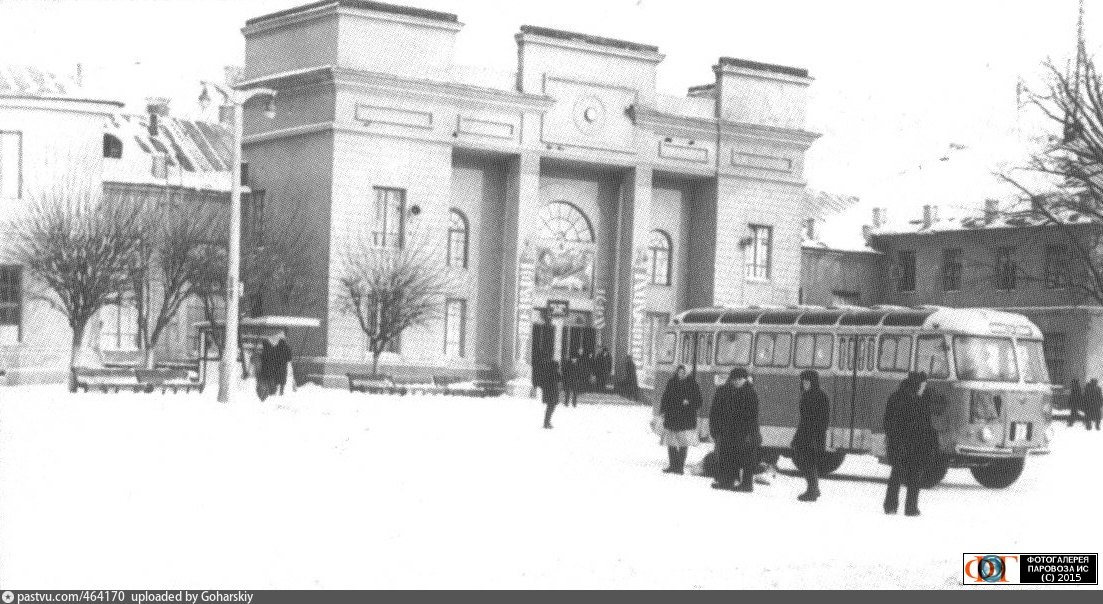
(589, 115)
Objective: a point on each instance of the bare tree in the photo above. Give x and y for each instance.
(79, 243)
(1070, 167)
(390, 290)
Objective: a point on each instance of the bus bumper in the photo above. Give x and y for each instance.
(1001, 452)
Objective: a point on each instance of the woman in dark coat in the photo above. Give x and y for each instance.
(1092, 403)
(733, 424)
(1075, 397)
(281, 355)
(549, 389)
(912, 442)
(572, 379)
(264, 369)
(631, 385)
(680, 402)
(810, 441)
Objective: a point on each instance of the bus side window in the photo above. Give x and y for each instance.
(930, 356)
(871, 352)
(688, 344)
(704, 349)
(844, 346)
(667, 347)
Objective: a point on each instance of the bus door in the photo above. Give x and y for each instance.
(851, 402)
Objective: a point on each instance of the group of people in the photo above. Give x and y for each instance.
(270, 366)
(733, 425)
(1086, 402)
(581, 372)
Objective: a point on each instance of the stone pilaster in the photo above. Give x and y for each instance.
(522, 201)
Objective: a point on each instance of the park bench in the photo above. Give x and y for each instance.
(116, 379)
(170, 378)
(371, 384)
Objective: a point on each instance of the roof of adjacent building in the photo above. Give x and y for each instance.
(971, 219)
(587, 38)
(26, 81)
(759, 66)
(838, 220)
(197, 154)
(383, 7)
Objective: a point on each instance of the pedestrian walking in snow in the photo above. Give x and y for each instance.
(680, 402)
(912, 442)
(630, 386)
(587, 366)
(1076, 397)
(263, 369)
(572, 379)
(810, 441)
(1093, 404)
(549, 389)
(733, 425)
(281, 359)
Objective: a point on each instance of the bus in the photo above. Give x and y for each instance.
(993, 399)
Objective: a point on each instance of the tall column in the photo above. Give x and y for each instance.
(522, 203)
(634, 226)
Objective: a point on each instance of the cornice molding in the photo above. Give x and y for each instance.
(649, 117)
(647, 57)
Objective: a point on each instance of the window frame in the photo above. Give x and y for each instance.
(18, 135)
(735, 363)
(948, 361)
(758, 264)
(461, 345)
(952, 269)
(463, 230)
(816, 347)
(775, 336)
(1055, 266)
(1004, 273)
(896, 338)
(11, 282)
(381, 231)
(660, 242)
(906, 283)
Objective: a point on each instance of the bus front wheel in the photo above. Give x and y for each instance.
(831, 461)
(999, 474)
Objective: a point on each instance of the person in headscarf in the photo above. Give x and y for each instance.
(912, 442)
(680, 402)
(810, 441)
(733, 425)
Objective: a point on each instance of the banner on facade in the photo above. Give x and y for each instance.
(565, 268)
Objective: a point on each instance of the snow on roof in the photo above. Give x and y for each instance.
(962, 219)
(838, 221)
(26, 81)
(196, 154)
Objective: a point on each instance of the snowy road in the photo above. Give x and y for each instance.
(324, 489)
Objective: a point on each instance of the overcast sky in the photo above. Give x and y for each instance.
(895, 82)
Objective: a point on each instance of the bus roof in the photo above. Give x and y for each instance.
(967, 320)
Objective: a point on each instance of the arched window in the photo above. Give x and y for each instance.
(562, 221)
(659, 248)
(457, 239)
(112, 146)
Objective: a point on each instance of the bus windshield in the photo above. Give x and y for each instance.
(985, 358)
(1033, 362)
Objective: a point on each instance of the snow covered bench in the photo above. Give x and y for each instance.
(371, 384)
(169, 378)
(116, 379)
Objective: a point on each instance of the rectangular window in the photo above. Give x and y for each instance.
(120, 328)
(773, 349)
(930, 356)
(656, 323)
(11, 165)
(389, 224)
(455, 328)
(905, 280)
(896, 353)
(1053, 348)
(689, 342)
(1056, 267)
(813, 351)
(733, 348)
(758, 254)
(704, 349)
(1005, 268)
(951, 270)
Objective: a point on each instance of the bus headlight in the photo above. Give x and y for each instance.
(986, 434)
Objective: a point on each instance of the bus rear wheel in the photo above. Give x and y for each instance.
(831, 461)
(999, 474)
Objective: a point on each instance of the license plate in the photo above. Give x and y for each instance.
(1020, 431)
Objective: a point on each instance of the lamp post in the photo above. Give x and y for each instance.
(227, 383)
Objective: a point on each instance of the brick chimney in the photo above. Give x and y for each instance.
(879, 216)
(157, 105)
(810, 229)
(867, 232)
(930, 215)
(991, 210)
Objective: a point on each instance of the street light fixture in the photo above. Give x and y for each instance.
(227, 383)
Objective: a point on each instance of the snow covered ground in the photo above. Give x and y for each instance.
(326, 489)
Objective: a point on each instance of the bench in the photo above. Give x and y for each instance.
(115, 379)
(371, 384)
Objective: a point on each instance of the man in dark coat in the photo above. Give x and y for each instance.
(911, 441)
(281, 356)
(733, 424)
(572, 380)
(549, 389)
(264, 369)
(810, 441)
(1075, 401)
(680, 402)
(1093, 404)
(587, 367)
(630, 386)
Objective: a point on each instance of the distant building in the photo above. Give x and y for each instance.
(54, 128)
(569, 192)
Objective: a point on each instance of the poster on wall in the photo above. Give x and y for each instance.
(564, 268)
